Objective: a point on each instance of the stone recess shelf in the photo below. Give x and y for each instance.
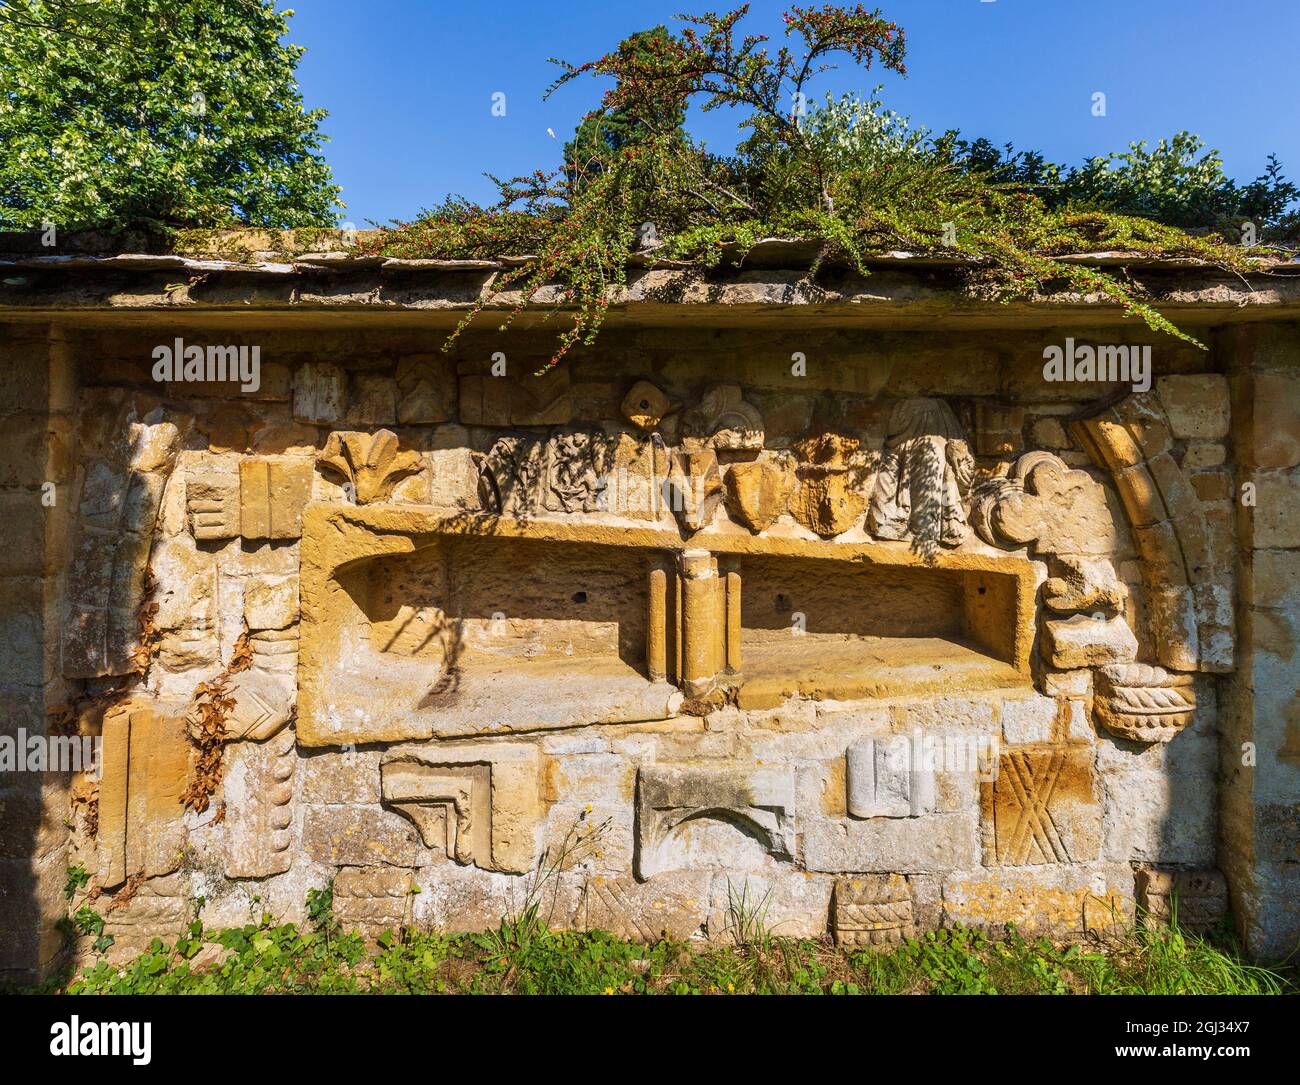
(417, 625)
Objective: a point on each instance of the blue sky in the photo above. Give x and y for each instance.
(409, 83)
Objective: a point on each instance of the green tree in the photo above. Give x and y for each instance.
(604, 133)
(182, 113)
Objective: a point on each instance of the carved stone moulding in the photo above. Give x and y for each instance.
(873, 911)
(758, 801)
(1143, 703)
(480, 803)
(145, 764)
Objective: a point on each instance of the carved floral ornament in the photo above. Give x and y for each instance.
(369, 463)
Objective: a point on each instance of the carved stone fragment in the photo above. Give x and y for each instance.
(694, 489)
(1143, 703)
(725, 421)
(577, 467)
(114, 532)
(212, 503)
(758, 492)
(369, 463)
(1046, 504)
(829, 499)
(925, 475)
(479, 802)
(512, 475)
(873, 911)
(645, 406)
(669, 796)
(426, 385)
(258, 787)
(887, 778)
(1041, 807)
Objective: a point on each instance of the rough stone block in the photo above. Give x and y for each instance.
(320, 393)
(934, 843)
(1275, 430)
(1195, 404)
(348, 777)
(1029, 720)
(1277, 510)
(1060, 900)
(1085, 641)
(1196, 899)
(272, 494)
(346, 835)
(372, 400)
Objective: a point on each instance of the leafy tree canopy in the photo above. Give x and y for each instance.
(120, 113)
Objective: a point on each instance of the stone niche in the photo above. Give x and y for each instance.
(875, 624)
(417, 625)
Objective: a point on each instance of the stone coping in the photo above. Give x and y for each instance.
(231, 273)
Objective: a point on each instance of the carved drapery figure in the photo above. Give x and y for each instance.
(510, 475)
(924, 477)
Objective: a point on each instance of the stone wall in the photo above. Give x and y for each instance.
(1260, 846)
(880, 629)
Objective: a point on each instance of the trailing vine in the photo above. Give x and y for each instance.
(847, 173)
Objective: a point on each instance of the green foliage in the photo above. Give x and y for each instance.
(121, 113)
(847, 173)
(604, 133)
(77, 880)
(523, 956)
(1175, 183)
(89, 922)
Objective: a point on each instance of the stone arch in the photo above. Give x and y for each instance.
(1187, 579)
